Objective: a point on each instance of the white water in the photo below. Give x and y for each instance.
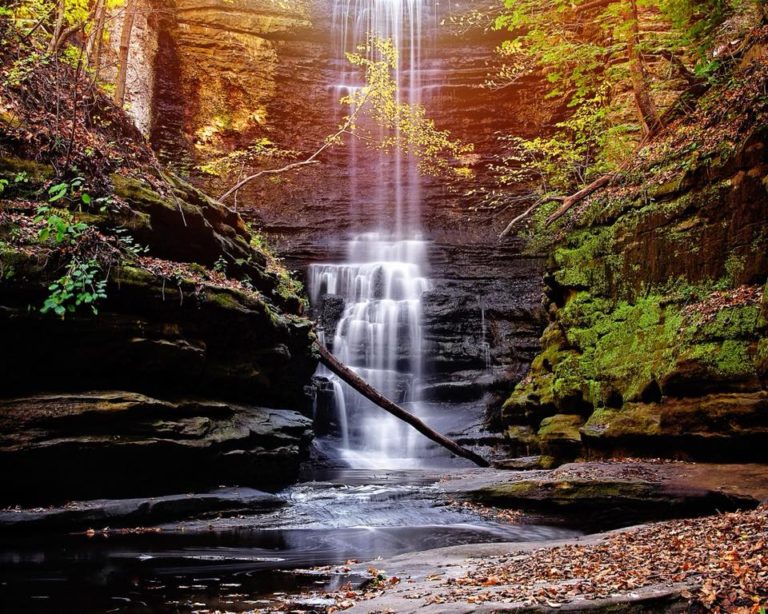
(379, 336)
(383, 277)
(484, 343)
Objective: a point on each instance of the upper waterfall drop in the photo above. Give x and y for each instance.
(398, 194)
(384, 275)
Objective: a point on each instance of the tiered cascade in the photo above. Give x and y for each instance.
(383, 278)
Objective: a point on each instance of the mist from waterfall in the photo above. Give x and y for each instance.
(383, 277)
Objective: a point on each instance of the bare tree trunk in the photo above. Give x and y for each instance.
(95, 40)
(60, 10)
(646, 108)
(125, 46)
(370, 393)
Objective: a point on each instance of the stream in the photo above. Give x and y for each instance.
(250, 562)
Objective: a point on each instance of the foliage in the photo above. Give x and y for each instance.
(59, 226)
(287, 284)
(220, 266)
(406, 126)
(128, 245)
(259, 151)
(82, 284)
(598, 61)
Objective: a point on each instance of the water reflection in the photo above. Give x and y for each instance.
(238, 564)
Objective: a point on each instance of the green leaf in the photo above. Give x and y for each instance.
(57, 192)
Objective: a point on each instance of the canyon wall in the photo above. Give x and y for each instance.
(253, 71)
(656, 343)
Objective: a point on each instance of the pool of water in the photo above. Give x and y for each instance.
(248, 562)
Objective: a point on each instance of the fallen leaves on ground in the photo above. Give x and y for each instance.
(707, 309)
(496, 514)
(723, 560)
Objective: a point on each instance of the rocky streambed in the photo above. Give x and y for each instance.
(340, 538)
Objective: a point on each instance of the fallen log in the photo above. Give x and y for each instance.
(373, 395)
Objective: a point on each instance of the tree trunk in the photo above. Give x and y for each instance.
(125, 45)
(579, 196)
(370, 393)
(646, 108)
(97, 37)
(60, 10)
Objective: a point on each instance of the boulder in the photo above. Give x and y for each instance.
(603, 495)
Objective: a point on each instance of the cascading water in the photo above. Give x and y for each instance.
(383, 278)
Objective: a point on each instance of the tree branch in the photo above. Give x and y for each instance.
(271, 171)
(344, 128)
(522, 216)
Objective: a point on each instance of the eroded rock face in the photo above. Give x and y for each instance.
(219, 63)
(166, 328)
(110, 444)
(657, 336)
(483, 317)
(234, 73)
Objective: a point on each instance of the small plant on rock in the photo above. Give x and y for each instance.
(80, 285)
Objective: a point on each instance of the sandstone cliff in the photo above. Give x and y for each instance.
(173, 329)
(235, 74)
(657, 334)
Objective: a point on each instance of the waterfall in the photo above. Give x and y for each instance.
(383, 277)
(484, 343)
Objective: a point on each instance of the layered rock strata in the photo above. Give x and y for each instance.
(657, 336)
(252, 72)
(118, 444)
(212, 351)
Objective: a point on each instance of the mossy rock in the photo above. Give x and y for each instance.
(37, 173)
(560, 437)
(561, 427)
(576, 494)
(632, 420)
(731, 364)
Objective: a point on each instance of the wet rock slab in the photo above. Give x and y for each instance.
(604, 495)
(113, 513)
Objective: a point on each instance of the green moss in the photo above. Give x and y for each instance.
(591, 493)
(613, 353)
(561, 426)
(581, 261)
(621, 346)
(37, 173)
(632, 420)
(224, 299)
(137, 192)
(522, 435)
(739, 322)
(133, 276)
(730, 359)
(760, 358)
